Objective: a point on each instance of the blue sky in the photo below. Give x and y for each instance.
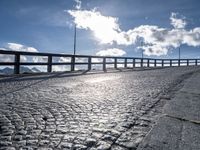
(47, 26)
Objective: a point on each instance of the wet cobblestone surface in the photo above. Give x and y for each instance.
(96, 112)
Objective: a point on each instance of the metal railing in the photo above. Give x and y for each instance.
(102, 60)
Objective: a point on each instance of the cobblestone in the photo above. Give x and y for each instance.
(96, 111)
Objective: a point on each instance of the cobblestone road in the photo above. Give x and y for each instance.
(97, 111)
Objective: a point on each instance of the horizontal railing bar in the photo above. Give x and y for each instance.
(97, 63)
(62, 63)
(32, 63)
(81, 63)
(7, 63)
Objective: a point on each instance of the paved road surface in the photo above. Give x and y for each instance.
(96, 111)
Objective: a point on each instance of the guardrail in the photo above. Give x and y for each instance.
(102, 60)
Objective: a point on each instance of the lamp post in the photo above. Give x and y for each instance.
(179, 56)
(142, 49)
(73, 58)
(142, 54)
(75, 39)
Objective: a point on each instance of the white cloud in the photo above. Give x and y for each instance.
(6, 58)
(156, 50)
(60, 68)
(111, 52)
(105, 28)
(156, 40)
(20, 47)
(192, 38)
(176, 22)
(64, 59)
(16, 47)
(78, 4)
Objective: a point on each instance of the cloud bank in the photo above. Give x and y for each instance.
(18, 47)
(111, 52)
(156, 40)
(105, 28)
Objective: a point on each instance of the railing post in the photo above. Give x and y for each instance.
(148, 63)
(133, 62)
(49, 67)
(170, 63)
(125, 63)
(141, 62)
(115, 65)
(195, 62)
(72, 63)
(179, 62)
(187, 62)
(162, 63)
(17, 64)
(155, 61)
(89, 63)
(104, 64)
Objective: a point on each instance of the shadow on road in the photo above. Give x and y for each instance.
(41, 77)
(44, 76)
